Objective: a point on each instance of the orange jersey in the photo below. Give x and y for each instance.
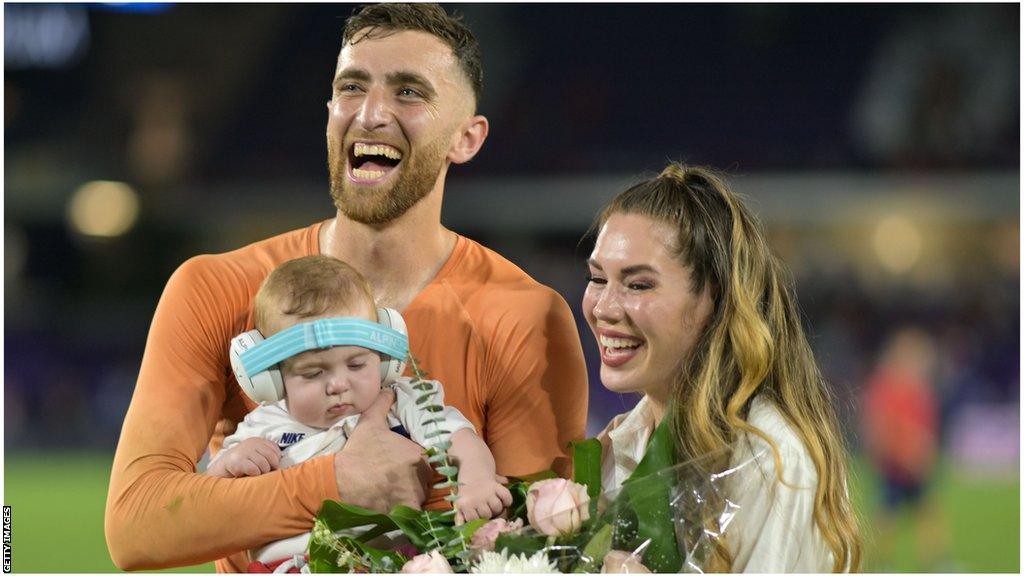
(505, 347)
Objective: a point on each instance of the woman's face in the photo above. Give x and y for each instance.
(640, 305)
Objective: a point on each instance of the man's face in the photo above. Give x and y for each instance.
(397, 105)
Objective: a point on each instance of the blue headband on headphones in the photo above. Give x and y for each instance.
(324, 333)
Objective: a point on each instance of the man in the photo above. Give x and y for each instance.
(403, 109)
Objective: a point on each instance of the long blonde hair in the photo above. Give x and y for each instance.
(752, 345)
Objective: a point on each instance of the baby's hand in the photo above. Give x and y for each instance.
(250, 457)
(481, 499)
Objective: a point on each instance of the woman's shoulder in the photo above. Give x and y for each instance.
(765, 416)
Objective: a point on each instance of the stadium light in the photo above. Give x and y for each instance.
(103, 209)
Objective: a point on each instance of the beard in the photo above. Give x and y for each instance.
(380, 204)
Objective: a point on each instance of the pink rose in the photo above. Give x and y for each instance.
(433, 563)
(486, 535)
(619, 562)
(557, 506)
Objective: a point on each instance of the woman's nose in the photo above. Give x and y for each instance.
(608, 307)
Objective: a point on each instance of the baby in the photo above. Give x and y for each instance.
(316, 395)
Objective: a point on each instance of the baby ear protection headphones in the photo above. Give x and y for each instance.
(254, 360)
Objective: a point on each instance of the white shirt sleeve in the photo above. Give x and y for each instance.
(774, 530)
(265, 421)
(414, 418)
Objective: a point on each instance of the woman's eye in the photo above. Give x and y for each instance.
(596, 279)
(640, 286)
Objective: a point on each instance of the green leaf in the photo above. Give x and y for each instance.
(595, 550)
(435, 434)
(518, 508)
(413, 523)
(660, 454)
(586, 463)
(325, 548)
(443, 445)
(446, 484)
(519, 544)
(649, 494)
(448, 471)
(469, 528)
(433, 408)
(338, 516)
(425, 398)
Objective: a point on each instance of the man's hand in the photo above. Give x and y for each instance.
(251, 457)
(378, 469)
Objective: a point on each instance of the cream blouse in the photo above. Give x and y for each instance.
(773, 529)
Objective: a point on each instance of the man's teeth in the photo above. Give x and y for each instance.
(367, 174)
(361, 149)
(617, 343)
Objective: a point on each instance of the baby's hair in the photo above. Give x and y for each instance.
(308, 287)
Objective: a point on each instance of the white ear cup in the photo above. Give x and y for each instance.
(266, 386)
(391, 368)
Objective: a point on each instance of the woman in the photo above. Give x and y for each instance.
(690, 308)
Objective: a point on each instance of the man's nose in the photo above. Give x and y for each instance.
(375, 111)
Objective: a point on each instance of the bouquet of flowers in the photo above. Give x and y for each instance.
(667, 517)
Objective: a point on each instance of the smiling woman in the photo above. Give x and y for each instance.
(690, 307)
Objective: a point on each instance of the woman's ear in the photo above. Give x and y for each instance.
(469, 140)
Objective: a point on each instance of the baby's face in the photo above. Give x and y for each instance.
(324, 386)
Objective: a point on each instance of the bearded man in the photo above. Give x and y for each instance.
(402, 111)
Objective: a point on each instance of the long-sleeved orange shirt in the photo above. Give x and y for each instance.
(505, 347)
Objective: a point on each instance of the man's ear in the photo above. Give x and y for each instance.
(469, 140)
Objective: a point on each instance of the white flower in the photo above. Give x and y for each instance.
(494, 563)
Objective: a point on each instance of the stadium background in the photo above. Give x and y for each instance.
(879, 143)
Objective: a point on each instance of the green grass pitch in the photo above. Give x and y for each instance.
(57, 501)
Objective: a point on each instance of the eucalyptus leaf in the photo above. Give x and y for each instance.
(434, 434)
(427, 397)
(448, 471)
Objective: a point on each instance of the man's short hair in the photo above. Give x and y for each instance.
(381, 20)
(308, 287)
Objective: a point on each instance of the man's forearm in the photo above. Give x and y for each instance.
(160, 516)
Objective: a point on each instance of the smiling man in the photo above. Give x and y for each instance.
(402, 112)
